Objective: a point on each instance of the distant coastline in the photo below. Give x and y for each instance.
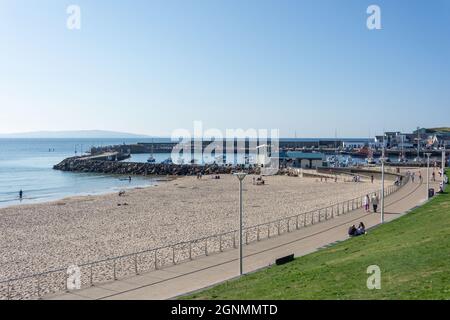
(76, 134)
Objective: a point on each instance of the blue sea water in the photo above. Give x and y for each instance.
(27, 164)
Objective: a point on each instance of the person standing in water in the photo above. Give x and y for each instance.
(20, 194)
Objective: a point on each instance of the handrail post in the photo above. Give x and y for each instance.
(66, 276)
(156, 260)
(246, 237)
(136, 264)
(9, 290)
(206, 246)
(39, 286)
(91, 277)
(288, 227)
(257, 234)
(234, 239)
(278, 227)
(115, 275)
(296, 223)
(173, 255)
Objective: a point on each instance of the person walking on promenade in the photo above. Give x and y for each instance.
(371, 178)
(375, 201)
(413, 176)
(367, 203)
(420, 176)
(433, 176)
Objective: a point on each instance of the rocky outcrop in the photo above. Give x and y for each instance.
(136, 168)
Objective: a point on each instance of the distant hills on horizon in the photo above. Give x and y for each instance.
(105, 134)
(77, 134)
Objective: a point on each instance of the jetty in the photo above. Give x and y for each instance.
(110, 156)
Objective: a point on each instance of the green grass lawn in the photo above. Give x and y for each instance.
(413, 253)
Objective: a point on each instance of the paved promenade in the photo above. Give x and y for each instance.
(206, 271)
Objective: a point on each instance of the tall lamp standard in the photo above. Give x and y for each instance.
(240, 176)
(428, 174)
(443, 163)
(382, 160)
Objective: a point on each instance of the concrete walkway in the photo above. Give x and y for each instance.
(209, 270)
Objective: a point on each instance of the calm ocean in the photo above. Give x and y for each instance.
(27, 164)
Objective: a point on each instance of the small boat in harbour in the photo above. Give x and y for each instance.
(151, 159)
(167, 161)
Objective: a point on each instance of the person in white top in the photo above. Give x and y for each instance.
(366, 203)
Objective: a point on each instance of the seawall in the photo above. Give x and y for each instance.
(137, 168)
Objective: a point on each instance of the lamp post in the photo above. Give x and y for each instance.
(428, 154)
(443, 163)
(382, 160)
(240, 176)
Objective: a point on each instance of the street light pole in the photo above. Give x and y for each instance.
(443, 163)
(428, 174)
(382, 159)
(240, 176)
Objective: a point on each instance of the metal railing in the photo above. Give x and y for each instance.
(55, 281)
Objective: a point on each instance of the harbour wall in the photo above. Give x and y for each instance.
(136, 168)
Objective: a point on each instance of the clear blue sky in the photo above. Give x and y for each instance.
(153, 66)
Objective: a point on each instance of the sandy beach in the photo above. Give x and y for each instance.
(36, 238)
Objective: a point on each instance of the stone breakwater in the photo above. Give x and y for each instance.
(135, 168)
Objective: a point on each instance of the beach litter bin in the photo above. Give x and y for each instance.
(430, 193)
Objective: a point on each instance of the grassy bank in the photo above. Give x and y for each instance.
(413, 253)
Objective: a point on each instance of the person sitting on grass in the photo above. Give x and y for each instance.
(352, 231)
(361, 229)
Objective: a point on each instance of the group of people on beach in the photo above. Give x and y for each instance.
(353, 231)
(258, 181)
(374, 201)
